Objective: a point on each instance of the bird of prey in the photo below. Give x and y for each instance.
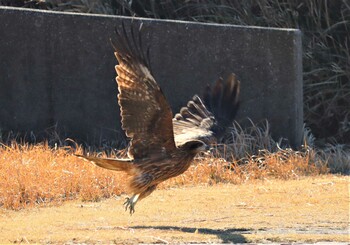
(161, 147)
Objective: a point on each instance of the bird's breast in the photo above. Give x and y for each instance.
(175, 166)
(166, 168)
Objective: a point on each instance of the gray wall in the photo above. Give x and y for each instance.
(58, 69)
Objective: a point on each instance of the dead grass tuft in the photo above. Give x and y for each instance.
(38, 174)
(283, 164)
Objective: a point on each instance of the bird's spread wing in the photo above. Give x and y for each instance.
(223, 101)
(145, 112)
(193, 122)
(208, 120)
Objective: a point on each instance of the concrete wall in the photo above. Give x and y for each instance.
(58, 69)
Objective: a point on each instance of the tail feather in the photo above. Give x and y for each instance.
(109, 163)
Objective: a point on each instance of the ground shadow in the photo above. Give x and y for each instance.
(226, 235)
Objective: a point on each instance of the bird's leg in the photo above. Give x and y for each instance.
(130, 203)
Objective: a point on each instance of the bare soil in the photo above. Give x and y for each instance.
(309, 209)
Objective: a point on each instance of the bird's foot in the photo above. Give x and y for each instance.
(130, 203)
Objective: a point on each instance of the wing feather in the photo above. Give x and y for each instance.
(208, 120)
(145, 112)
(194, 122)
(222, 100)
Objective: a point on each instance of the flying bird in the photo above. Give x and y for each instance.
(162, 147)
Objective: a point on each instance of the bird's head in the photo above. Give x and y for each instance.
(194, 146)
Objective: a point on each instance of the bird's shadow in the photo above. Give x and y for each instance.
(232, 235)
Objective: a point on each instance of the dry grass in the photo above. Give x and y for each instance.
(308, 209)
(38, 174)
(33, 175)
(276, 203)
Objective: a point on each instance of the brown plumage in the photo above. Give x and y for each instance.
(208, 120)
(160, 147)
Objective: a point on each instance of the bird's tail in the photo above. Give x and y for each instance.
(109, 163)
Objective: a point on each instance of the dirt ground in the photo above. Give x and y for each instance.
(310, 209)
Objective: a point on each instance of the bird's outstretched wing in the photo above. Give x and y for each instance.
(223, 101)
(208, 120)
(145, 113)
(194, 121)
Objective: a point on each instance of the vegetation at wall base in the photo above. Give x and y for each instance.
(45, 174)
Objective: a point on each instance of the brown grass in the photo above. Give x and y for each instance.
(308, 209)
(33, 175)
(38, 174)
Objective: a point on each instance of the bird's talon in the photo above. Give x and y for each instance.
(126, 203)
(129, 205)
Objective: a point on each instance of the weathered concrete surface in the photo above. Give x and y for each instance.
(58, 69)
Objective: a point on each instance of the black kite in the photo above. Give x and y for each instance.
(162, 147)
